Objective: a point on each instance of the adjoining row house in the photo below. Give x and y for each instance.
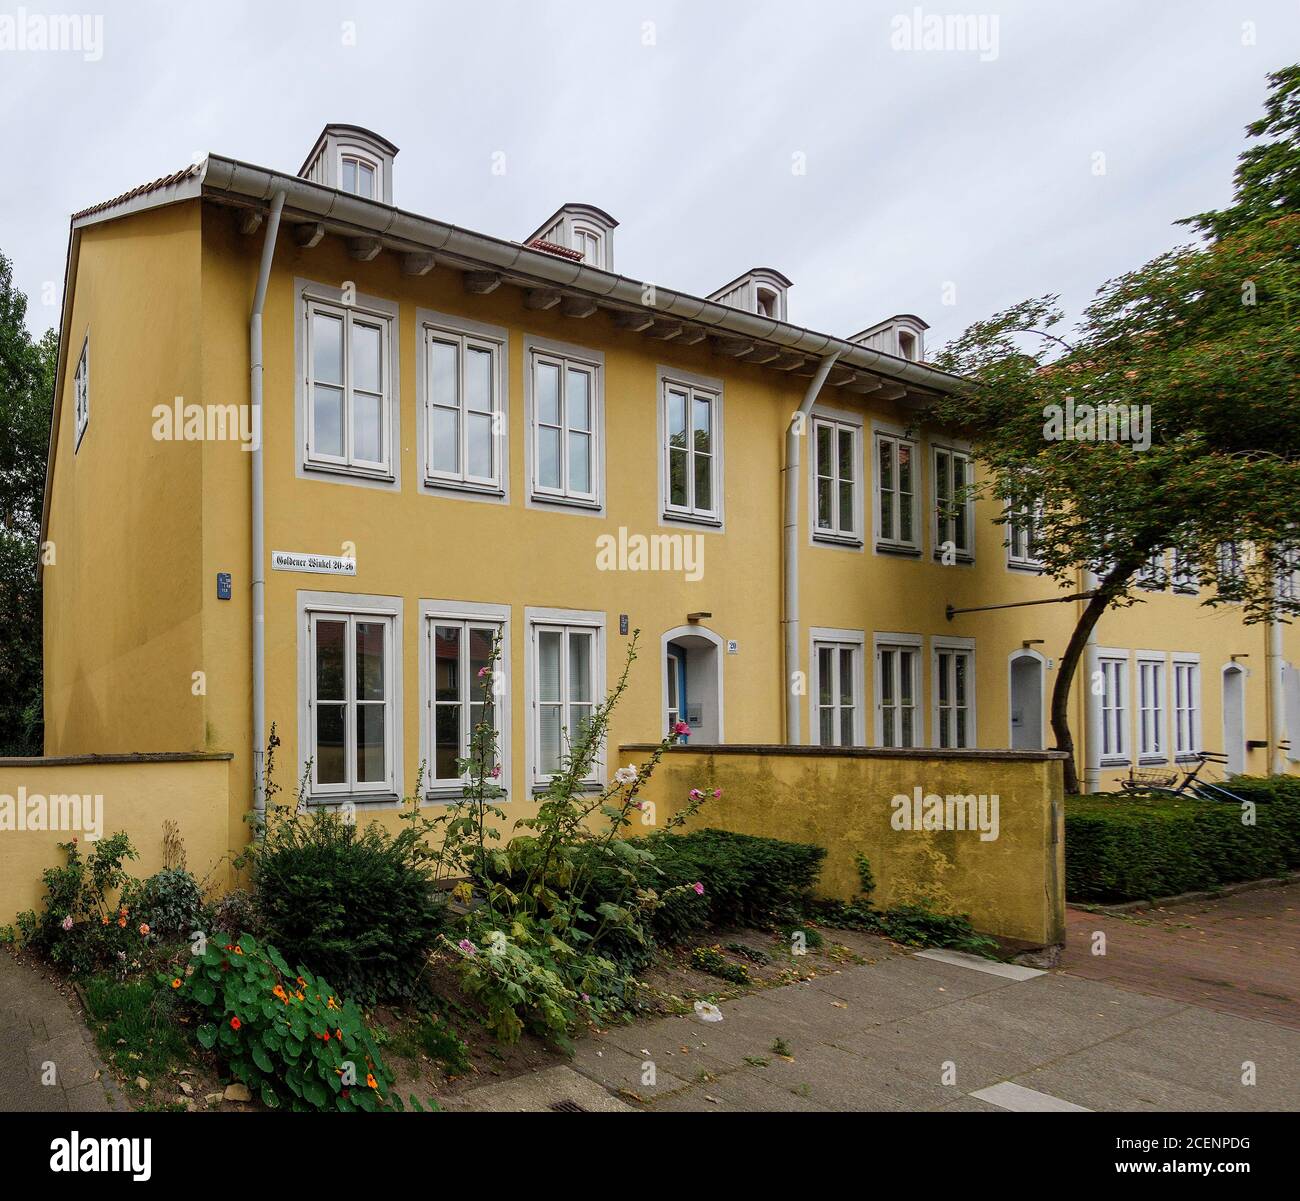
(455, 438)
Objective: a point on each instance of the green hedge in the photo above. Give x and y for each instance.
(1123, 848)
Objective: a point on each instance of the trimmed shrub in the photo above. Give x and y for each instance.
(353, 902)
(1121, 848)
(171, 902)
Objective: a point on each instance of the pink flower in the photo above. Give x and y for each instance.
(585, 997)
(681, 728)
(484, 671)
(495, 772)
(468, 947)
(699, 888)
(696, 795)
(67, 922)
(717, 792)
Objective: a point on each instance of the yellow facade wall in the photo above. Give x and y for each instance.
(142, 528)
(122, 611)
(1011, 886)
(136, 797)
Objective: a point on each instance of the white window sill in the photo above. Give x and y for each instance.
(1028, 568)
(566, 502)
(961, 556)
(832, 539)
(343, 472)
(897, 548)
(706, 519)
(1116, 763)
(355, 798)
(471, 488)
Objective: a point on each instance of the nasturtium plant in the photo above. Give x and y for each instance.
(282, 1031)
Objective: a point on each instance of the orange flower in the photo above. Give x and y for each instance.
(371, 1081)
(176, 983)
(299, 995)
(339, 1035)
(121, 921)
(144, 927)
(239, 950)
(235, 1023)
(278, 991)
(302, 982)
(103, 921)
(326, 1036)
(122, 912)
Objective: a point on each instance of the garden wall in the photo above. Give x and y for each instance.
(133, 793)
(1009, 879)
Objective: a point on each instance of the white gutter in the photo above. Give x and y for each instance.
(258, 575)
(236, 182)
(794, 436)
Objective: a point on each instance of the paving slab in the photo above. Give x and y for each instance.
(48, 1059)
(538, 1092)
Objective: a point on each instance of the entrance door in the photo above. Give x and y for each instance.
(676, 688)
(1234, 718)
(1026, 703)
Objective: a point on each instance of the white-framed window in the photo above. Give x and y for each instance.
(1022, 538)
(1183, 575)
(566, 681)
(837, 712)
(837, 483)
(1187, 705)
(953, 506)
(1152, 735)
(1151, 575)
(907, 345)
(351, 678)
(1229, 561)
(1287, 560)
(953, 693)
(898, 690)
(349, 387)
(896, 495)
(463, 685)
(692, 449)
(590, 243)
(81, 392)
(565, 412)
(359, 174)
(1114, 708)
(464, 418)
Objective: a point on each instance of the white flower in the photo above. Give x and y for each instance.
(625, 775)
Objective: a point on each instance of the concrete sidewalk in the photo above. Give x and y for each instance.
(915, 1032)
(48, 1060)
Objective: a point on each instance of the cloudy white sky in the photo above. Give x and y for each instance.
(924, 168)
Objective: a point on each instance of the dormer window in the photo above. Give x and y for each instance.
(590, 243)
(902, 335)
(358, 175)
(582, 229)
(353, 160)
(761, 291)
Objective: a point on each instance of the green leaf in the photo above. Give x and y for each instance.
(262, 1059)
(207, 1036)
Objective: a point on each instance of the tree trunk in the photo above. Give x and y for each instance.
(1092, 612)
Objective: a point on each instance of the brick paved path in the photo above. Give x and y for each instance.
(42, 1036)
(1236, 954)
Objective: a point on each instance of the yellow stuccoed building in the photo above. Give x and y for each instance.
(288, 408)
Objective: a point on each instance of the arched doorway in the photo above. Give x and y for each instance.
(1026, 700)
(1234, 718)
(692, 682)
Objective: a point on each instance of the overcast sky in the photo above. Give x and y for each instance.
(689, 122)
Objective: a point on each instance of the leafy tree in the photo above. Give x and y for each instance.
(27, 371)
(1202, 341)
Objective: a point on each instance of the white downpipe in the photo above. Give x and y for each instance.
(1091, 703)
(1276, 696)
(794, 435)
(258, 573)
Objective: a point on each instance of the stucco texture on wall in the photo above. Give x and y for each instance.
(1010, 886)
(134, 795)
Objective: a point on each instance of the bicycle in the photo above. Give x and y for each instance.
(1164, 780)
